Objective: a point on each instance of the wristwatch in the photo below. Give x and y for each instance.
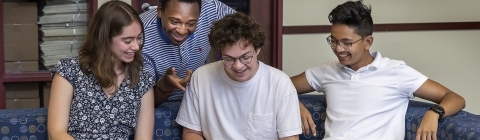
(438, 109)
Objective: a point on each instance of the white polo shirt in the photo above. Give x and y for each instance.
(367, 104)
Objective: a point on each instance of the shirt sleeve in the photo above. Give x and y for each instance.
(288, 115)
(188, 114)
(223, 9)
(410, 80)
(314, 77)
(146, 82)
(149, 67)
(67, 68)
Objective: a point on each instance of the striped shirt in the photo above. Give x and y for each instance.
(159, 54)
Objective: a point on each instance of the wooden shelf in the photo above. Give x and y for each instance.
(42, 76)
(264, 11)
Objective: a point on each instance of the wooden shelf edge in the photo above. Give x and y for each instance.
(27, 77)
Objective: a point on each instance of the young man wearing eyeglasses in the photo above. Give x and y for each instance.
(239, 97)
(367, 94)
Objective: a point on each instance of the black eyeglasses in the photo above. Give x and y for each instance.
(229, 61)
(344, 45)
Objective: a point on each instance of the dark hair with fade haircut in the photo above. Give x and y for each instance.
(95, 55)
(164, 3)
(355, 15)
(235, 27)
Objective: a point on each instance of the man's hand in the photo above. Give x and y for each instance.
(168, 83)
(428, 127)
(307, 121)
(172, 81)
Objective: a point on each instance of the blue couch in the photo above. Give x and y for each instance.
(30, 124)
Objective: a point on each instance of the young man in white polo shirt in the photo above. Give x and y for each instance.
(367, 94)
(239, 97)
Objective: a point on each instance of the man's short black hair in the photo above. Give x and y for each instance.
(164, 3)
(355, 15)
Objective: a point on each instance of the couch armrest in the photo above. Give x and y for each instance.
(463, 125)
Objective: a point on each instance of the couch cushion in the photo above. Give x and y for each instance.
(31, 123)
(165, 126)
(23, 124)
(316, 104)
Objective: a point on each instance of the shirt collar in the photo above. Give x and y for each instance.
(377, 61)
(163, 35)
(374, 65)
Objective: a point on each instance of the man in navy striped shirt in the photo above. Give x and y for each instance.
(176, 42)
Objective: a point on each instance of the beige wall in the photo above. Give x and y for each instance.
(448, 57)
(315, 12)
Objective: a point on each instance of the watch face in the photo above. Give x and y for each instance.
(438, 110)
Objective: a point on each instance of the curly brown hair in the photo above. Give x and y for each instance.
(235, 27)
(95, 56)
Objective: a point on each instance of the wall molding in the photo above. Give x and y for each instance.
(312, 29)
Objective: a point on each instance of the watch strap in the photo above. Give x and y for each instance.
(439, 110)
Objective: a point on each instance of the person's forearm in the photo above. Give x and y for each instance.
(160, 97)
(192, 136)
(290, 138)
(59, 136)
(189, 134)
(143, 137)
(452, 103)
(300, 104)
(164, 86)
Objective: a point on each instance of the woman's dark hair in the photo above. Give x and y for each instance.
(95, 56)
